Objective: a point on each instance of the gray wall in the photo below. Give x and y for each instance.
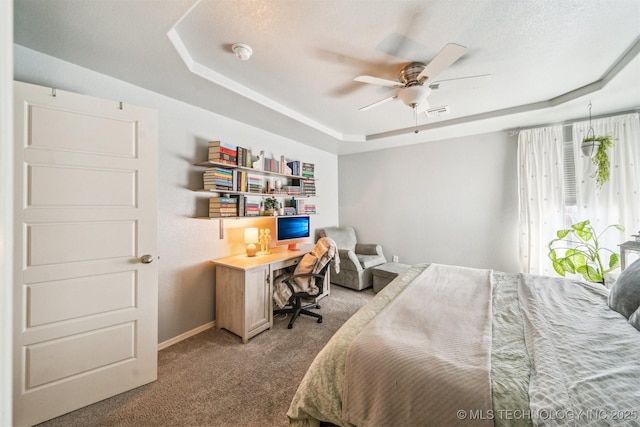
(186, 245)
(451, 202)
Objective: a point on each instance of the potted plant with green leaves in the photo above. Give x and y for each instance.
(270, 206)
(600, 158)
(582, 252)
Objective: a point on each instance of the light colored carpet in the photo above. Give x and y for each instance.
(212, 379)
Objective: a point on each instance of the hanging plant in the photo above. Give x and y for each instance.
(601, 158)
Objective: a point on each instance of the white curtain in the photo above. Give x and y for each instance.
(541, 188)
(618, 200)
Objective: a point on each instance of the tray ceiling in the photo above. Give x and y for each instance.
(547, 60)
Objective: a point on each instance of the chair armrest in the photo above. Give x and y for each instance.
(369, 249)
(348, 257)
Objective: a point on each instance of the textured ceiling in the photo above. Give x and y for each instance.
(547, 59)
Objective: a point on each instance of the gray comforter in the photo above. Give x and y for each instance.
(582, 358)
(585, 356)
(429, 350)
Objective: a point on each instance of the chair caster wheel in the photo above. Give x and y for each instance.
(289, 326)
(319, 320)
(317, 305)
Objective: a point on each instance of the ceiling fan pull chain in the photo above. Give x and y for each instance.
(415, 117)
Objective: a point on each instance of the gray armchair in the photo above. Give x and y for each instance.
(356, 259)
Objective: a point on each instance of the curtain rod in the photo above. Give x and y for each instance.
(515, 131)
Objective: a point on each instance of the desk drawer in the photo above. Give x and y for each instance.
(285, 263)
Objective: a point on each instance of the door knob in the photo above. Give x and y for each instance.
(146, 259)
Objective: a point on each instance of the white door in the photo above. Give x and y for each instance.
(85, 302)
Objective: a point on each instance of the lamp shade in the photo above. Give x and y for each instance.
(251, 235)
(251, 238)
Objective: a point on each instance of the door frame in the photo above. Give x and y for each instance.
(6, 213)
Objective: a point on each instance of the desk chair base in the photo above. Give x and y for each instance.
(297, 309)
(294, 305)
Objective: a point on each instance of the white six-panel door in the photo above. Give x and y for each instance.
(85, 304)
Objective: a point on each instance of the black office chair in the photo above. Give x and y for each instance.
(294, 304)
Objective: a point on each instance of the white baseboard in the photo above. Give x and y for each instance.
(188, 334)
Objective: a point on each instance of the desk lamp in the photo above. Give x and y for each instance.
(251, 238)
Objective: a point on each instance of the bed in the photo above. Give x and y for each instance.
(507, 350)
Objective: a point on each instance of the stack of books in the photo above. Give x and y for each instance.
(307, 186)
(255, 183)
(289, 210)
(251, 207)
(303, 207)
(292, 190)
(220, 207)
(309, 208)
(307, 170)
(223, 152)
(218, 179)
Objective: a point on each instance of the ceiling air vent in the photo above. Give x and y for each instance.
(438, 111)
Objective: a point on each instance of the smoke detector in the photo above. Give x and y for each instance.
(242, 50)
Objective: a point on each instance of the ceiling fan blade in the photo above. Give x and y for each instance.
(377, 103)
(378, 81)
(470, 82)
(447, 56)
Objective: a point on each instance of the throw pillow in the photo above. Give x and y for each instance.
(624, 296)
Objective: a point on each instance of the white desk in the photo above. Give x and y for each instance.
(244, 289)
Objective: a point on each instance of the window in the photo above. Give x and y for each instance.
(570, 187)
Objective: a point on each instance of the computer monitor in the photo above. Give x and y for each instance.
(292, 230)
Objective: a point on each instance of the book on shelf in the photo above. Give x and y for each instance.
(295, 167)
(244, 157)
(242, 205)
(288, 210)
(255, 183)
(292, 190)
(252, 206)
(298, 205)
(218, 179)
(223, 201)
(307, 186)
(302, 207)
(223, 207)
(223, 152)
(307, 170)
(270, 165)
(240, 180)
(309, 209)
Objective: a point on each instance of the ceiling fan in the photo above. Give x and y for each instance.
(416, 79)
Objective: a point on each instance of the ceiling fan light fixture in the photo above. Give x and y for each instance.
(413, 95)
(242, 51)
